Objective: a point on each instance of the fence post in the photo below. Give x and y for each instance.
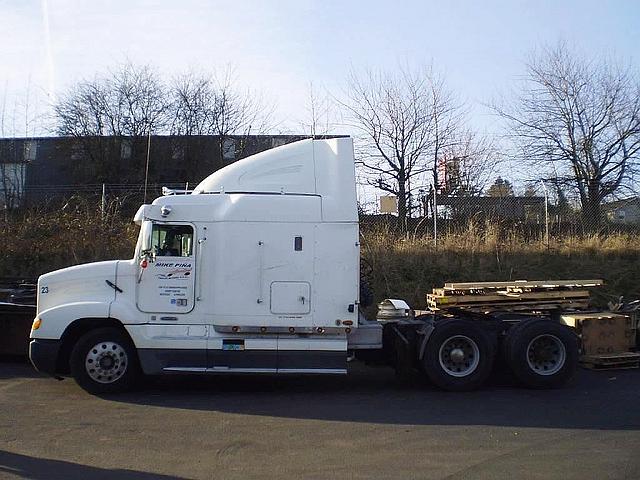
(103, 203)
(546, 213)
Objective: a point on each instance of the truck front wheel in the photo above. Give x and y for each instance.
(104, 361)
(458, 356)
(541, 353)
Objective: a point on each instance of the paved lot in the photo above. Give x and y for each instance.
(361, 426)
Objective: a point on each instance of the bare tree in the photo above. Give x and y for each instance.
(405, 121)
(130, 101)
(193, 109)
(206, 104)
(467, 165)
(448, 138)
(111, 116)
(319, 109)
(579, 117)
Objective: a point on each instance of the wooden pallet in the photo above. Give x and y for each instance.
(510, 304)
(514, 295)
(611, 361)
(553, 284)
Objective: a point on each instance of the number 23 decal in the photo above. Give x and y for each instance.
(44, 290)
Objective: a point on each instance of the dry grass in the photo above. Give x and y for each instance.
(405, 267)
(411, 266)
(37, 242)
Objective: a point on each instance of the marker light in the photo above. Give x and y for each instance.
(36, 324)
(144, 263)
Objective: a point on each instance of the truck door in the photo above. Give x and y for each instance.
(167, 283)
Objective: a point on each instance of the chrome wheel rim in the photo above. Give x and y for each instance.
(106, 362)
(459, 356)
(546, 354)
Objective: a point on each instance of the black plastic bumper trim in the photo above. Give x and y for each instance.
(43, 354)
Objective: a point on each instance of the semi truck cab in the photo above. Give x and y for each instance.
(257, 270)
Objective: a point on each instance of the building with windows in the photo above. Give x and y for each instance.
(14, 158)
(625, 211)
(32, 169)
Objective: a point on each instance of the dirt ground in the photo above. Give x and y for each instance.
(365, 425)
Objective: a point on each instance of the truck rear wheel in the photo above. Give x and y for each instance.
(541, 353)
(104, 361)
(459, 356)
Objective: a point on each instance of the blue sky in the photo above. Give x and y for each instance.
(278, 47)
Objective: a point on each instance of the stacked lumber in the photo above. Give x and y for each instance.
(518, 295)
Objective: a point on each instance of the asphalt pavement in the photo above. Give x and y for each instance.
(365, 425)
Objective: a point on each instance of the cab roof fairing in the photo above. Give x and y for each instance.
(307, 167)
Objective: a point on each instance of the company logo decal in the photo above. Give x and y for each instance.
(173, 270)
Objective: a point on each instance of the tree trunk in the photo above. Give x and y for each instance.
(402, 200)
(591, 209)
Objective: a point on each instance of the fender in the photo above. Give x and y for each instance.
(55, 320)
(125, 309)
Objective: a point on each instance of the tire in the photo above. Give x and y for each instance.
(112, 350)
(541, 353)
(474, 358)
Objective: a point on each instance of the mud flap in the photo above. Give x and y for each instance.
(399, 345)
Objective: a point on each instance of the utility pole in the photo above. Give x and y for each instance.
(146, 168)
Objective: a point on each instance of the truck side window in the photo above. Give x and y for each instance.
(172, 240)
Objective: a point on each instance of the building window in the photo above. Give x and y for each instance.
(30, 150)
(12, 179)
(125, 149)
(177, 152)
(229, 149)
(277, 142)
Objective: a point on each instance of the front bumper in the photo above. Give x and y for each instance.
(44, 355)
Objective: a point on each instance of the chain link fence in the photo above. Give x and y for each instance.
(108, 199)
(530, 218)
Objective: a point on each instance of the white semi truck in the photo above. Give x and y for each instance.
(257, 272)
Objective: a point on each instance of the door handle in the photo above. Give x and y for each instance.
(169, 319)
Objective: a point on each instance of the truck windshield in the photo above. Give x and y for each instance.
(172, 240)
